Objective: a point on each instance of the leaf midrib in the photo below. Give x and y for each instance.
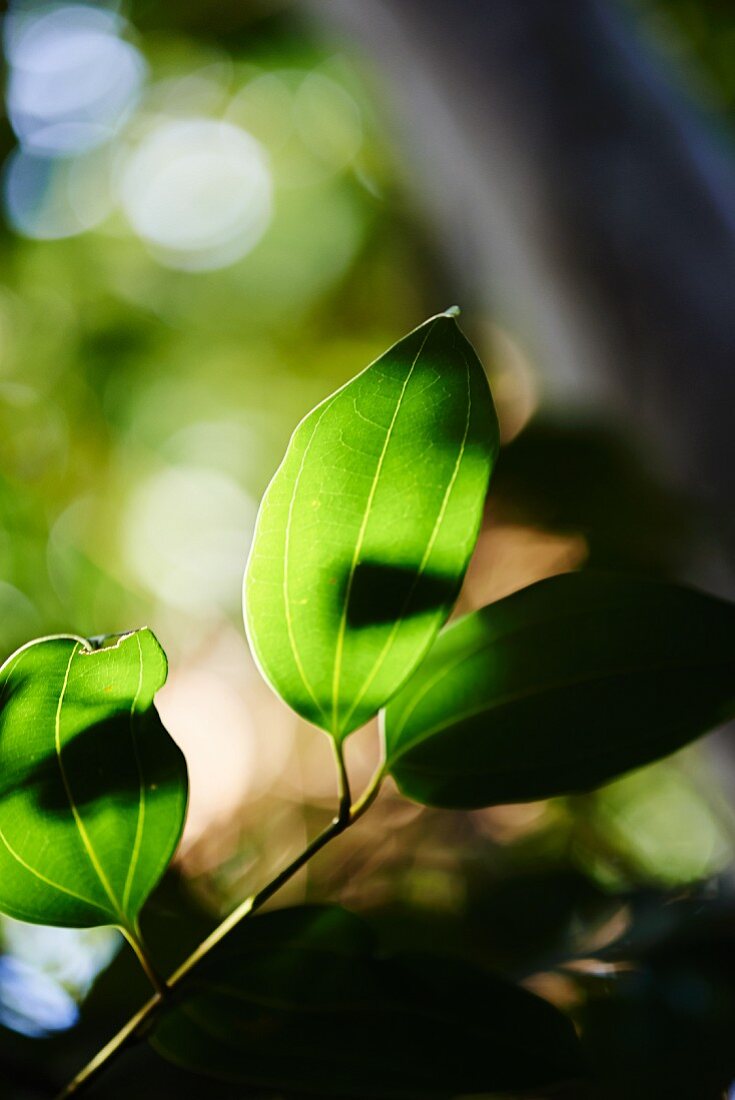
(500, 638)
(81, 828)
(140, 824)
(561, 685)
(339, 648)
(10, 668)
(425, 559)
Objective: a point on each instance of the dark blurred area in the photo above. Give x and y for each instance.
(214, 214)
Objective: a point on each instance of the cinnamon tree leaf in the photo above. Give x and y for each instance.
(300, 1001)
(366, 530)
(93, 790)
(560, 687)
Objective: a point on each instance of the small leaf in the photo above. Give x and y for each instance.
(92, 789)
(366, 530)
(300, 1001)
(560, 687)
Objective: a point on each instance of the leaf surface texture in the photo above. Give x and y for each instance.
(366, 530)
(93, 790)
(301, 1001)
(560, 687)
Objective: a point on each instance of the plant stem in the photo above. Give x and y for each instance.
(345, 798)
(134, 1030)
(135, 940)
(137, 1027)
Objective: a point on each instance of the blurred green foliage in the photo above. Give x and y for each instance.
(134, 392)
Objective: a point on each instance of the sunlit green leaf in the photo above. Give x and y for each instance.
(92, 789)
(366, 530)
(560, 687)
(301, 1001)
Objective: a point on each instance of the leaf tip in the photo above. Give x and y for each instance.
(453, 311)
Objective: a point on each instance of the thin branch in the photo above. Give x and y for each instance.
(133, 1031)
(138, 1027)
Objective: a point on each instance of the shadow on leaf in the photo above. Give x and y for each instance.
(99, 764)
(383, 593)
(303, 1002)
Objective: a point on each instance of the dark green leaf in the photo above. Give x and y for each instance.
(560, 687)
(92, 789)
(300, 1001)
(366, 530)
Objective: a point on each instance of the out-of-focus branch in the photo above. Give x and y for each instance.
(580, 198)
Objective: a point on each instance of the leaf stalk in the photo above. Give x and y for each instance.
(137, 943)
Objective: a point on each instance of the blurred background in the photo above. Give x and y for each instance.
(213, 213)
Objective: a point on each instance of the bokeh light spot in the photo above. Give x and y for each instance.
(328, 120)
(198, 192)
(46, 972)
(73, 80)
(48, 198)
(187, 532)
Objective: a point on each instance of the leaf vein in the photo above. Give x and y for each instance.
(339, 649)
(500, 701)
(43, 878)
(286, 563)
(427, 554)
(140, 824)
(81, 828)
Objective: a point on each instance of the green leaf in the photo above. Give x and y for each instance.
(301, 1001)
(93, 790)
(560, 687)
(367, 528)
